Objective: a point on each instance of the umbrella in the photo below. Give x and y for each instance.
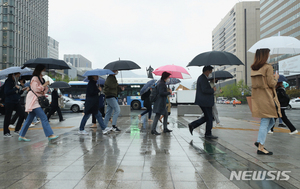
(50, 63)
(175, 71)
(147, 86)
(215, 58)
(98, 72)
(278, 45)
(122, 65)
(100, 81)
(12, 70)
(173, 81)
(281, 78)
(27, 75)
(220, 75)
(59, 84)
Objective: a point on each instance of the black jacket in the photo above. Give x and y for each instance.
(54, 97)
(12, 94)
(283, 98)
(92, 98)
(161, 101)
(147, 102)
(204, 92)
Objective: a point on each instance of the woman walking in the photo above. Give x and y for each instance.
(160, 104)
(92, 106)
(38, 87)
(265, 104)
(147, 104)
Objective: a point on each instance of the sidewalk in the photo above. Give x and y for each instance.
(134, 158)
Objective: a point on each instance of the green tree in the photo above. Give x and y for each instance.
(235, 90)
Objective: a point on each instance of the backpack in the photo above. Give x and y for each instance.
(283, 98)
(154, 94)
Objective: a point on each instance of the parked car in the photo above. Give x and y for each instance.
(74, 105)
(294, 103)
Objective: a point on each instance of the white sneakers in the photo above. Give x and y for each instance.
(294, 132)
(83, 132)
(219, 125)
(107, 130)
(270, 132)
(12, 126)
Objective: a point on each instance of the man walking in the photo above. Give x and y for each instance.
(205, 99)
(54, 106)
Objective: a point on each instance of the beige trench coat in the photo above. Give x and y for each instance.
(264, 95)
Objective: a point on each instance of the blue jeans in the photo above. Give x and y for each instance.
(112, 105)
(149, 111)
(34, 120)
(280, 121)
(265, 125)
(40, 113)
(87, 116)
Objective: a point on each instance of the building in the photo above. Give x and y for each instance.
(71, 73)
(53, 48)
(236, 33)
(78, 60)
(23, 32)
(282, 18)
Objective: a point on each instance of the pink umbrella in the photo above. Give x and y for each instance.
(175, 71)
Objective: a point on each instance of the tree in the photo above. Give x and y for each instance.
(235, 90)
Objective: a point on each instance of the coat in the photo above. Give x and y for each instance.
(31, 99)
(161, 101)
(111, 86)
(204, 92)
(264, 98)
(54, 98)
(147, 102)
(91, 105)
(12, 94)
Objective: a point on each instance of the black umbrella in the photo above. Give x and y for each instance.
(222, 75)
(59, 84)
(50, 63)
(122, 65)
(215, 58)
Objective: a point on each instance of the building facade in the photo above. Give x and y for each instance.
(53, 48)
(236, 33)
(282, 18)
(78, 60)
(23, 31)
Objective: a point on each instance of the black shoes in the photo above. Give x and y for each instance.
(257, 144)
(211, 137)
(155, 133)
(281, 125)
(191, 128)
(61, 120)
(167, 130)
(263, 153)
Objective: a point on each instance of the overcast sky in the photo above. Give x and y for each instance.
(156, 32)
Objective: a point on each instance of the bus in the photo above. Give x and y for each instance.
(129, 91)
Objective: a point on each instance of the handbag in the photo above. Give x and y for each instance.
(43, 101)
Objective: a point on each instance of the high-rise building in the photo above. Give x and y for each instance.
(78, 60)
(236, 33)
(23, 31)
(53, 47)
(282, 18)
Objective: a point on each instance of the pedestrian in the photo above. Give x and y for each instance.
(22, 102)
(101, 107)
(111, 93)
(92, 106)
(284, 102)
(214, 108)
(12, 92)
(147, 104)
(168, 109)
(54, 107)
(204, 99)
(38, 88)
(265, 104)
(234, 103)
(160, 103)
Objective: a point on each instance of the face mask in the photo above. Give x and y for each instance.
(116, 72)
(16, 78)
(168, 80)
(44, 73)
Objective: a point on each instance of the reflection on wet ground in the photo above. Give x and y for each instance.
(132, 158)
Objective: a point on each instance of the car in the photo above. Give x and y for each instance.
(294, 103)
(74, 105)
(236, 102)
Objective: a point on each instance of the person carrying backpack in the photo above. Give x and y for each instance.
(159, 97)
(147, 104)
(284, 100)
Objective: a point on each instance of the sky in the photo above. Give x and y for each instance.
(156, 32)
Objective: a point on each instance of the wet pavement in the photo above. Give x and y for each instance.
(134, 158)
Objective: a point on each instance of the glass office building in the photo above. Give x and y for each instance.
(24, 31)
